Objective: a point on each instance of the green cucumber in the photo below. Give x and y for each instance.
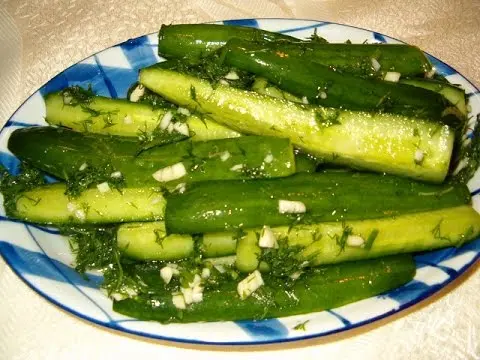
(121, 117)
(381, 142)
(149, 241)
(328, 243)
(247, 252)
(49, 205)
(193, 41)
(454, 94)
(217, 206)
(214, 245)
(321, 289)
(62, 153)
(323, 86)
(403, 234)
(196, 40)
(357, 58)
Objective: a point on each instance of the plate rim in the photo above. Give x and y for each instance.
(420, 300)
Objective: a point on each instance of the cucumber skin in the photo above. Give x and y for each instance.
(328, 196)
(305, 78)
(406, 59)
(49, 205)
(61, 152)
(325, 288)
(196, 40)
(379, 142)
(454, 94)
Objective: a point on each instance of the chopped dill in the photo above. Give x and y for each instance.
(284, 260)
(193, 93)
(341, 240)
(301, 326)
(159, 236)
(12, 186)
(326, 117)
(156, 137)
(437, 233)
(76, 95)
(469, 155)
(371, 238)
(315, 38)
(81, 180)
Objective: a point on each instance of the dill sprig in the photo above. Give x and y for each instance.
(95, 248)
(315, 38)
(81, 180)
(469, 155)
(76, 95)
(212, 69)
(341, 240)
(12, 186)
(284, 260)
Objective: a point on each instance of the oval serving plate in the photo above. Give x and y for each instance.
(42, 259)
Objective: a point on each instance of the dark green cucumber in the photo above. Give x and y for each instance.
(196, 40)
(62, 152)
(390, 143)
(320, 289)
(336, 242)
(108, 116)
(330, 196)
(357, 58)
(49, 205)
(324, 86)
(453, 93)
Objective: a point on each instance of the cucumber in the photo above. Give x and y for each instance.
(403, 234)
(321, 85)
(49, 205)
(121, 117)
(215, 245)
(328, 243)
(323, 288)
(149, 241)
(356, 59)
(454, 94)
(389, 143)
(247, 252)
(217, 206)
(196, 40)
(193, 41)
(62, 153)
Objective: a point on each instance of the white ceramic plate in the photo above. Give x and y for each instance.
(42, 259)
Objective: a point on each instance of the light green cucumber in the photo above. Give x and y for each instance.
(390, 143)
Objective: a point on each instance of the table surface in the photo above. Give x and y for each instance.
(41, 38)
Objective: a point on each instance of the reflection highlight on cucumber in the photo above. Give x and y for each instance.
(252, 175)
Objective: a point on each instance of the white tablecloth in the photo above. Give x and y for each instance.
(40, 38)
